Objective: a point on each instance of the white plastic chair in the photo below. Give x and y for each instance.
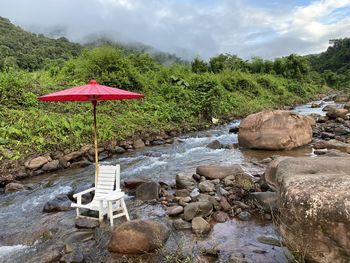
(108, 196)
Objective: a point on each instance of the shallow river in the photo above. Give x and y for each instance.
(23, 222)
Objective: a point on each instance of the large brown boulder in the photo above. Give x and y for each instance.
(275, 130)
(218, 172)
(314, 204)
(138, 236)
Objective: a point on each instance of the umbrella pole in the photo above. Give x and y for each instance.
(94, 102)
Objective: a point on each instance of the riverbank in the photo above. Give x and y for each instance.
(33, 165)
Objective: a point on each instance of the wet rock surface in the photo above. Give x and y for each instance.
(314, 204)
(138, 237)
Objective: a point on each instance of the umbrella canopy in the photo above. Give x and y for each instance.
(91, 92)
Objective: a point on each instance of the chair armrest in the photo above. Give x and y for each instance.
(84, 192)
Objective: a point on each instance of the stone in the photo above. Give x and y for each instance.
(225, 204)
(270, 172)
(138, 144)
(244, 216)
(192, 210)
(80, 164)
(221, 216)
(267, 200)
(341, 98)
(59, 203)
(200, 226)
(206, 186)
(336, 153)
(157, 142)
(72, 156)
(214, 145)
(180, 224)
(195, 193)
(36, 163)
(218, 172)
(133, 183)
(333, 144)
(181, 193)
(174, 210)
(314, 200)
(82, 222)
(14, 187)
(119, 150)
(51, 166)
(138, 236)
(274, 130)
(148, 191)
(347, 106)
(315, 105)
(334, 113)
(185, 181)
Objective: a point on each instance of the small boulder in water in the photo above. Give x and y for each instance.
(14, 187)
(184, 181)
(175, 210)
(214, 145)
(59, 203)
(200, 226)
(148, 191)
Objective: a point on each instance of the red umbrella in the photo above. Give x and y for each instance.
(91, 92)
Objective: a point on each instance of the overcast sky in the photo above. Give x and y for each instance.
(204, 28)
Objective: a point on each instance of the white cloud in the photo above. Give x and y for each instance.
(192, 27)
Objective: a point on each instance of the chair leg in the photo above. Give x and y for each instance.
(125, 209)
(78, 213)
(110, 212)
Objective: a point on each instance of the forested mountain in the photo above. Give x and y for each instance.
(30, 51)
(25, 50)
(336, 58)
(334, 63)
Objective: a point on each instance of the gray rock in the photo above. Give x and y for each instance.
(184, 181)
(138, 144)
(59, 203)
(80, 164)
(119, 150)
(267, 200)
(200, 226)
(221, 216)
(14, 187)
(174, 210)
(51, 166)
(214, 145)
(72, 156)
(180, 224)
(268, 240)
(197, 209)
(148, 191)
(88, 223)
(206, 186)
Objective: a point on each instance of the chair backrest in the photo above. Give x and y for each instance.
(108, 179)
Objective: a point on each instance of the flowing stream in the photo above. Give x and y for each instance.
(23, 223)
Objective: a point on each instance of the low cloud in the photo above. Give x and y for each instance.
(193, 27)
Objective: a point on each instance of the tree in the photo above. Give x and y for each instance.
(199, 66)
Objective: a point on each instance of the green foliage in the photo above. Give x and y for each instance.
(175, 97)
(199, 66)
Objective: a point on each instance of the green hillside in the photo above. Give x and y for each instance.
(25, 50)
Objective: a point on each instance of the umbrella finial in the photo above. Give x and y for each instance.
(93, 81)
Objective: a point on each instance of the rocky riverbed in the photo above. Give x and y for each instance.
(219, 213)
